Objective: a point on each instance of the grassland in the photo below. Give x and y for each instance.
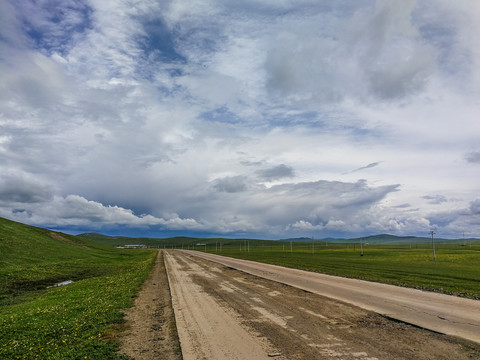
(81, 320)
(456, 269)
(76, 321)
(403, 261)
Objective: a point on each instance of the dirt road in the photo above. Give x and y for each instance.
(443, 313)
(206, 331)
(224, 313)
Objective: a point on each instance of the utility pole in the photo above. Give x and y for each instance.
(361, 247)
(313, 245)
(433, 245)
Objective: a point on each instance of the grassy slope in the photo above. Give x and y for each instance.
(68, 322)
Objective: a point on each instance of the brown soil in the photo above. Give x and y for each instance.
(150, 328)
(59, 237)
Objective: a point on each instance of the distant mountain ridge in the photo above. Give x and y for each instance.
(386, 239)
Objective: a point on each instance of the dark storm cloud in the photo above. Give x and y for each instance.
(369, 166)
(456, 222)
(277, 172)
(473, 157)
(475, 207)
(15, 188)
(231, 184)
(435, 199)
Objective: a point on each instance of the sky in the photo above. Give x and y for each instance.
(269, 118)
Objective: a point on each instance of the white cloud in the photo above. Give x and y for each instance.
(228, 117)
(77, 212)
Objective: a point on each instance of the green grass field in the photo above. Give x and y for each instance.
(76, 321)
(404, 261)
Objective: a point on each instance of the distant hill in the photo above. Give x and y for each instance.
(391, 239)
(297, 239)
(190, 242)
(177, 241)
(330, 239)
(372, 239)
(124, 240)
(387, 239)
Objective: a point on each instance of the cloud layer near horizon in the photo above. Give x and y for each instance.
(268, 119)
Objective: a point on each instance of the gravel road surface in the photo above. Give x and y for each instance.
(446, 314)
(224, 313)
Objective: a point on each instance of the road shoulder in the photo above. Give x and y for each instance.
(150, 331)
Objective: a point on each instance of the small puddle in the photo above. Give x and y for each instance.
(63, 283)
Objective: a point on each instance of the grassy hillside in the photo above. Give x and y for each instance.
(34, 258)
(75, 321)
